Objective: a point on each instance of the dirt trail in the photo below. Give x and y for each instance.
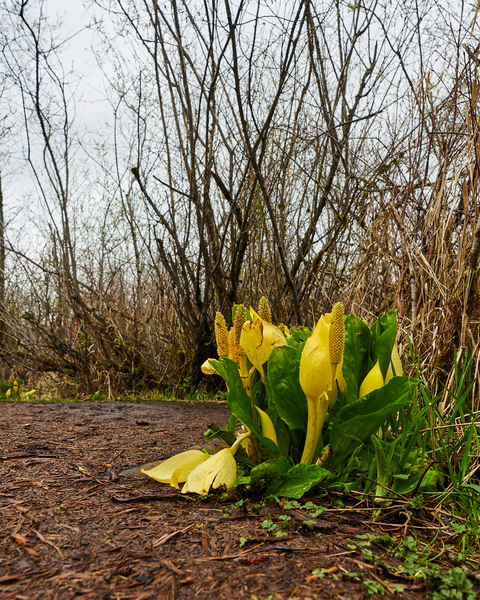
(73, 527)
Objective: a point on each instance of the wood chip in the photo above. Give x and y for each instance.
(45, 541)
(169, 536)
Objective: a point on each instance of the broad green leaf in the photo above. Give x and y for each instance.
(383, 323)
(355, 355)
(298, 480)
(286, 392)
(298, 335)
(227, 435)
(406, 483)
(258, 390)
(281, 428)
(361, 419)
(232, 423)
(283, 432)
(218, 366)
(238, 400)
(262, 476)
(382, 350)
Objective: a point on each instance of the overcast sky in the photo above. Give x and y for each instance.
(92, 106)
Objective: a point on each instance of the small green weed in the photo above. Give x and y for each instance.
(290, 504)
(419, 562)
(269, 525)
(452, 585)
(375, 587)
(320, 572)
(314, 509)
(285, 521)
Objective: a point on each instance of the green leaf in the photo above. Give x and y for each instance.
(281, 429)
(218, 366)
(267, 472)
(287, 394)
(382, 350)
(382, 467)
(227, 435)
(406, 483)
(258, 390)
(238, 400)
(242, 480)
(298, 335)
(383, 323)
(358, 420)
(297, 481)
(232, 423)
(356, 355)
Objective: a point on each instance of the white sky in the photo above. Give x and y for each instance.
(92, 107)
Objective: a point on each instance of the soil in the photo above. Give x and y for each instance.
(79, 520)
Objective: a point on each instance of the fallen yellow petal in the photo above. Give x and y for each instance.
(180, 465)
(220, 469)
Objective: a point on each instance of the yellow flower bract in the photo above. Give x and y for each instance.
(177, 468)
(373, 381)
(258, 340)
(220, 469)
(315, 364)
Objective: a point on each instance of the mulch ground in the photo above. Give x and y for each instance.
(78, 520)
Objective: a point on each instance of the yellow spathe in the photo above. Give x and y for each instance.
(207, 368)
(258, 340)
(268, 429)
(339, 383)
(316, 381)
(220, 469)
(397, 365)
(317, 411)
(247, 377)
(321, 376)
(373, 381)
(315, 366)
(177, 468)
